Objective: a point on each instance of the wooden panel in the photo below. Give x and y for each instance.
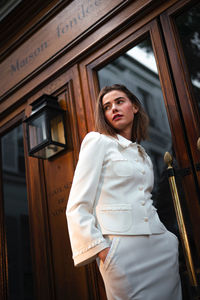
(69, 282)
(40, 240)
(77, 17)
(39, 227)
(49, 183)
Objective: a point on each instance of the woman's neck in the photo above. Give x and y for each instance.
(127, 134)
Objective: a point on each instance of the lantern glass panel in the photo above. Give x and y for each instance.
(48, 151)
(37, 131)
(57, 129)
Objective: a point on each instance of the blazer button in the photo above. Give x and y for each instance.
(141, 188)
(146, 219)
(143, 203)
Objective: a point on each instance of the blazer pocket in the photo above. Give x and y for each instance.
(116, 218)
(122, 167)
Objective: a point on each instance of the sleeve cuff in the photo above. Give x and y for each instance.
(90, 255)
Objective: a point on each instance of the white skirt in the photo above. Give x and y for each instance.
(142, 268)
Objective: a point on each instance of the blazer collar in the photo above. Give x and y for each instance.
(123, 141)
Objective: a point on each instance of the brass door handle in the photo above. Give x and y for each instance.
(198, 144)
(179, 215)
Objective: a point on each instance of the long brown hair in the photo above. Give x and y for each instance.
(141, 120)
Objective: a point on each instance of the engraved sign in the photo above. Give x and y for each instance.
(59, 198)
(77, 17)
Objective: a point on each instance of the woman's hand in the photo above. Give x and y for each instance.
(102, 254)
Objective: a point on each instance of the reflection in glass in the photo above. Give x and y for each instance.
(57, 129)
(37, 131)
(188, 25)
(16, 216)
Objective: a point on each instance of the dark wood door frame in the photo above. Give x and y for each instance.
(182, 79)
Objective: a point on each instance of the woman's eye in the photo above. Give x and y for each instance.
(106, 108)
(120, 101)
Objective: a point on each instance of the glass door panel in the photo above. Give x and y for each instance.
(20, 276)
(137, 69)
(188, 27)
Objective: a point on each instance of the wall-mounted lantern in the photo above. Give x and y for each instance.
(45, 126)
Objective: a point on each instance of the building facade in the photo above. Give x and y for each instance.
(70, 49)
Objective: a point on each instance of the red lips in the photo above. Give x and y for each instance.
(115, 117)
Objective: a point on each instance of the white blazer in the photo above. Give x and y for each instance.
(110, 195)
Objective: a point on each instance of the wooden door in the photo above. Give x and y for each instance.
(51, 274)
(55, 178)
(151, 64)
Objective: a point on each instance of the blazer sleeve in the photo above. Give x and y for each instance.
(86, 239)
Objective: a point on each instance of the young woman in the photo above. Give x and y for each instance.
(110, 213)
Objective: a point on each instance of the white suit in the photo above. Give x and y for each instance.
(110, 206)
(110, 195)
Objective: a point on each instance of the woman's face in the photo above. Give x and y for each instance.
(119, 112)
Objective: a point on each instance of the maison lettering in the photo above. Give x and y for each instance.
(84, 11)
(21, 63)
(60, 31)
